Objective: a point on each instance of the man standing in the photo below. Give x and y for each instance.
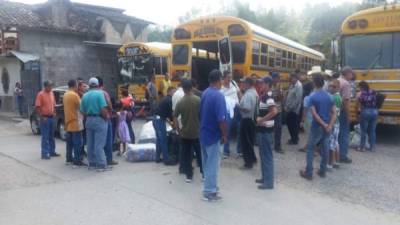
(344, 119)
(323, 111)
(45, 105)
(163, 116)
(151, 94)
(188, 109)
(248, 108)
(292, 108)
(213, 133)
(73, 124)
(277, 94)
(265, 127)
(94, 107)
(108, 149)
(231, 92)
(165, 84)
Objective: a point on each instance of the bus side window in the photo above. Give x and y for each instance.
(278, 57)
(294, 61)
(396, 50)
(256, 53)
(264, 54)
(284, 59)
(271, 54)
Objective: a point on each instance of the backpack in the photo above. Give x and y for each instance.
(380, 99)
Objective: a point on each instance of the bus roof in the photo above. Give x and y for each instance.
(157, 48)
(376, 20)
(259, 31)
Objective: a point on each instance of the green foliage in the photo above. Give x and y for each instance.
(160, 34)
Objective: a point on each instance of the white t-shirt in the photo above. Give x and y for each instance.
(231, 92)
(178, 95)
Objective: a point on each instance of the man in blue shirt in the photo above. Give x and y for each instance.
(212, 133)
(323, 111)
(94, 107)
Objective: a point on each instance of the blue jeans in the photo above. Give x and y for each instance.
(47, 132)
(368, 119)
(96, 135)
(211, 156)
(267, 158)
(344, 133)
(229, 123)
(108, 149)
(236, 123)
(317, 135)
(161, 134)
(74, 146)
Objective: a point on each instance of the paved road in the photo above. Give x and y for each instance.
(33, 191)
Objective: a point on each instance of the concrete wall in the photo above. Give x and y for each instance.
(64, 57)
(13, 67)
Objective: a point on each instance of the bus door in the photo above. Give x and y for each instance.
(225, 54)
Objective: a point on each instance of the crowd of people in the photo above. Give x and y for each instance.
(253, 109)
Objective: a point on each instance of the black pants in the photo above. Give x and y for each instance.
(247, 138)
(292, 121)
(188, 145)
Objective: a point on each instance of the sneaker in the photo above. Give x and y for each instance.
(68, 163)
(225, 156)
(305, 176)
(79, 164)
(45, 157)
(346, 160)
(265, 187)
(329, 166)
(188, 180)
(112, 163)
(336, 166)
(246, 167)
(321, 174)
(103, 169)
(280, 151)
(259, 181)
(55, 155)
(91, 166)
(211, 197)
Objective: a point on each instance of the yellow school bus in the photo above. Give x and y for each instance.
(370, 44)
(138, 62)
(237, 46)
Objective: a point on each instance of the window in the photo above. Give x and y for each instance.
(284, 59)
(278, 59)
(180, 54)
(396, 51)
(256, 53)
(164, 65)
(224, 51)
(238, 52)
(369, 51)
(236, 30)
(264, 54)
(157, 65)
(271, 54)
(290, 60)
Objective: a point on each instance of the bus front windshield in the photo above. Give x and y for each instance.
(137, 68)
(372, 51)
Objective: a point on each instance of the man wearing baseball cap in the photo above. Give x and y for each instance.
(94, 107)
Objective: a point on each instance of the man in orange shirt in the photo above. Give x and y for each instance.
(73, 124)
(45, 106)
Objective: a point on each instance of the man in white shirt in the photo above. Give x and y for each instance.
(231, 92)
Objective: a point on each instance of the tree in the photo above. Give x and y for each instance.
(160, 34)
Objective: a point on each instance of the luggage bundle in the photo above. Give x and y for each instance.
(141, 152)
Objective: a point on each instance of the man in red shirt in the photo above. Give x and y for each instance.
(45, 106)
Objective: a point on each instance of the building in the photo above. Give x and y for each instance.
(60, 40)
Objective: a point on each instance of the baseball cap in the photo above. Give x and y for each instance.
(275, 74)
(266, 79)
(93, 82)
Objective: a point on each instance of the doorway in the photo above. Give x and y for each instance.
(204, 60)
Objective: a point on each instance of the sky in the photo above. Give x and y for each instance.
(167, 12)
